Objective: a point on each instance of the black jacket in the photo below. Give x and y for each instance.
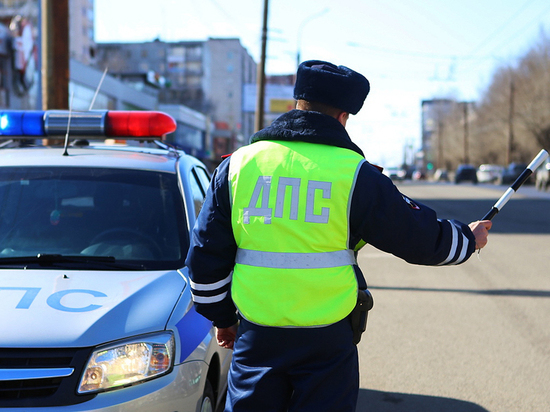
(380, 215)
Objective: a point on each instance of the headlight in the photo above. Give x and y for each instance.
(127, 362)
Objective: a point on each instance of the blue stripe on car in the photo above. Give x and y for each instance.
(192, 328)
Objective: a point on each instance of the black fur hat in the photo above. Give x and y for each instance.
(337, 86)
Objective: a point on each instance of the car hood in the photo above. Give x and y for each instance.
(42, 308)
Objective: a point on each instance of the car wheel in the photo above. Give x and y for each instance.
(208, 401)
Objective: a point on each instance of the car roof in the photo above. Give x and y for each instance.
(123, 158)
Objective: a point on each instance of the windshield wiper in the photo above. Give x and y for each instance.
(48, 260)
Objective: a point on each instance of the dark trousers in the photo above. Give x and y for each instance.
(293, 369)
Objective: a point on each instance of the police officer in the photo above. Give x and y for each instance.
(272, 258)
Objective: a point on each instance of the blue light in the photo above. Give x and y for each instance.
(22, 123)
(3, 122)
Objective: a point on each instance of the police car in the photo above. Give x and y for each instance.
(95, 302)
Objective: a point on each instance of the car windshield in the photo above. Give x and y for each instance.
(133, 219)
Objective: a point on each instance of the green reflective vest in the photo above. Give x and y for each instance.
(289, 211)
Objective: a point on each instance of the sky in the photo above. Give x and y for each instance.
(410, 50)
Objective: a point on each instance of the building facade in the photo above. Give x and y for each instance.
(20, 54)
(81, 31)
(206, 76)
(434, 113)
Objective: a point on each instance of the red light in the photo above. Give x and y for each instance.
(138, 124)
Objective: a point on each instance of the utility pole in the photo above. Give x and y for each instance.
(260, 82)
(55, 54)
(439, 161)
(466, 149)
(510, 123)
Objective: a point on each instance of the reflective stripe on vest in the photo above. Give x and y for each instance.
(290, 206)
(295, 260)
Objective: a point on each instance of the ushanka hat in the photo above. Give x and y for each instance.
(336, 86)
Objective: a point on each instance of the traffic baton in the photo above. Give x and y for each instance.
(535, 163)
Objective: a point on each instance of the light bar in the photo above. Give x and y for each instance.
(28, 124)
(81, 123)
(22, 123)
(138, 124)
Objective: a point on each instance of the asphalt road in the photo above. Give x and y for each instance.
(467, 338)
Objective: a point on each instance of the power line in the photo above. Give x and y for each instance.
(497, 31)
(514, 35)
(415, 54)
(527, 26)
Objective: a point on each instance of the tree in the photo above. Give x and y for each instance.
(533, 92)
(512, 120)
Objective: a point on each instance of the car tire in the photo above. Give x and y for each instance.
(208, 402)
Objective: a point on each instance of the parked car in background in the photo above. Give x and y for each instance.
(441, 175)
(466, 173)
(488, 173)
(542, 176)
(511, 173)
(394, 173)
(418, 174)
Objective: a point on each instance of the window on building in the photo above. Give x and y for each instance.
(194, 52)
(177, 51)
(194, 67)
(194, 80)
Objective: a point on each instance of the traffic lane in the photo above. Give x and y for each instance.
(468, 338)
(528, 211)
(475, 333)
(378, 401)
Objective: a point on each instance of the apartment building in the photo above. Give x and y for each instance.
(81, 31)
(207, 76)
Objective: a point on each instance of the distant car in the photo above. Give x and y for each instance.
(511, 173)
(418, 175)
(441, 175)
(466, 173)
(394, 173)
(542, 176)
(488, 173)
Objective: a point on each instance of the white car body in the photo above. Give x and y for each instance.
(394, 173)
(56, 314)
(488, 173)
(542, 176)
